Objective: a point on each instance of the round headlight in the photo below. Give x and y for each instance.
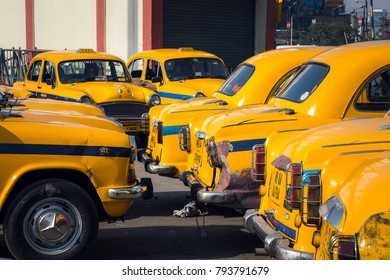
(85, 99)
(154, 100)
(199, 94)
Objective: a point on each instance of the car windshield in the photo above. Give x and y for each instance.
(77, 71)
(237, 79)
(305, 82)
(195, 68)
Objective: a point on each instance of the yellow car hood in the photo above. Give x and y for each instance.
(102, 92)
(58, 118)
(321, 142)
(206, 86)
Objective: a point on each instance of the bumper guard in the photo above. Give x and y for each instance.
(274, 242)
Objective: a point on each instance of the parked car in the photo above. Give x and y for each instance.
(93, 77)
(292, 166)
(46, 104)
(254, 81)
(178, 74)
(355, 219)
(61, 175)
(334, 86)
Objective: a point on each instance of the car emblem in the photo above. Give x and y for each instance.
(103, 151)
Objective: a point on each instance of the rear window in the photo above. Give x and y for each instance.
(304, 83)
(237, 79)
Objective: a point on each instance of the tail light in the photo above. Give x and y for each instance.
(293, 186)
(160, 132)
(258, 163)
(343, 247)
(145, 127)
(184, 138)
(212, 153)
(311, 199)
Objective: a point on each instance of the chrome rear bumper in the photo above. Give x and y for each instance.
(152, 167)
(142, 190)
(274, 242)
(215, 197)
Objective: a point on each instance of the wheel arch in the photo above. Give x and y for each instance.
(74, 176)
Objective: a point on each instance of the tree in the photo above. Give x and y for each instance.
(329, 34)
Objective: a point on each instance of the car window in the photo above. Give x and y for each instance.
(47, 71)
(194, 68)
(375, 95)
(33, 73)
(153, 69)
(304, 83)
(237, 79)
(74, 71)
(136, 67)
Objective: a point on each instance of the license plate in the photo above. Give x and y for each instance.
(278, 181)
(153, 134)
(326, 234)
(198, 151)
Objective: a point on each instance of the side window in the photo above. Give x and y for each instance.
(47, 71)
(153, 69)
(376, 94)
(33, 73)
(135, 68)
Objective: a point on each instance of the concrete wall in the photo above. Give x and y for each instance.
(12, 24)
(124, 27)
(71, 24)
(65, 24)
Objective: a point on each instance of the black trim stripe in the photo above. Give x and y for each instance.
(68, 150)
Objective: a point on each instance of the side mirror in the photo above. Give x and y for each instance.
(156, 79)
(49, 82)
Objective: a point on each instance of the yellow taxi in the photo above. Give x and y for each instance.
(93, 77)
(56, 183)
(253, 82)
(47, 104)
(337, 85)
(355, 218)
(291, 166)
(178, 74)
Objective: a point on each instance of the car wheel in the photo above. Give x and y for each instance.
(51, 219)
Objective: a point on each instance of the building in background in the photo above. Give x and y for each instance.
(231, 29)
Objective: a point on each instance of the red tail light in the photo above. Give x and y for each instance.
(184, 138)
(258, 163)
(343, 248)
(159, 132)
(311, 198)
(145, 122)
(212, 153)
(293, 187)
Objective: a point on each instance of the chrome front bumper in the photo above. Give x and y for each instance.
(152, 167)
(142, 190)
(274, 242)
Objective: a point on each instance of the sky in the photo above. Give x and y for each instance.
(377, 4)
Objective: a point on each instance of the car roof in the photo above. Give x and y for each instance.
(167, 53)
(62, 55)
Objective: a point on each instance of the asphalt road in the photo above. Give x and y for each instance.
(151, 232)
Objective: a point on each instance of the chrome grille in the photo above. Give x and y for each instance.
(125, 109)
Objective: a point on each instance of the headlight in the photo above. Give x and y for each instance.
(85, 99)
(199, 94)
(154, 100)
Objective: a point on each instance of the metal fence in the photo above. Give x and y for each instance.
(14, 64)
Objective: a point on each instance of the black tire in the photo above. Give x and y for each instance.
(27, 230)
